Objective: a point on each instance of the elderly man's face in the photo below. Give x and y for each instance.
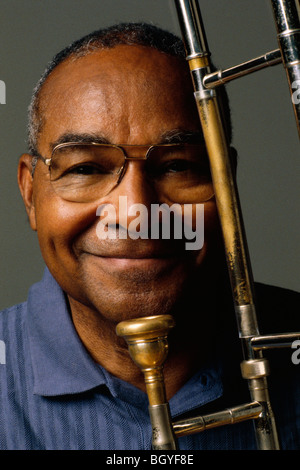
(125, 95)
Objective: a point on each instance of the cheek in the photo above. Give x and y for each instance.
(212, 236)
(213, 240)
(211, 219)
(201, 219)
(58, 224)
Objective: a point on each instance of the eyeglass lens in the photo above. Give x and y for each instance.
(85, 173)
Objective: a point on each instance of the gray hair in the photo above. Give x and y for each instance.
(124, 33)
(141, 34)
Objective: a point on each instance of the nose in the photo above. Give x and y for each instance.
(135, 185)
(134, 194)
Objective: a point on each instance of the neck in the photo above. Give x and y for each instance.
(188, 348)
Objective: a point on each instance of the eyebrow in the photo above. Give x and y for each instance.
(168, 137)
(83, 138)
(182, 136)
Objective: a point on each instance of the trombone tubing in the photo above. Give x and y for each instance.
(227, 200)
(220, 418)
(287, 19)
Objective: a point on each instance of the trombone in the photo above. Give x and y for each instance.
(147, 337)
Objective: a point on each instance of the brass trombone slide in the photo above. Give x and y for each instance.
(147, 337)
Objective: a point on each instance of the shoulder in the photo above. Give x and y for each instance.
(270, 292)
(12, 324)
(277, 309)
(278, 313)
(10, 314)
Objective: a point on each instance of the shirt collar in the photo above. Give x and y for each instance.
(61, 364)
(204, 387)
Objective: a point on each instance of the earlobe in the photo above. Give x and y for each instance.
(25, 181)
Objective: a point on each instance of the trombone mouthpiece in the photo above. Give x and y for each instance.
(147, 339)
(148, 347)
(149, 327)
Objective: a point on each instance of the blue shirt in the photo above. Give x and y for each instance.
(55, 397)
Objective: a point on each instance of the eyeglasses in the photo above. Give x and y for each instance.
(81, 172)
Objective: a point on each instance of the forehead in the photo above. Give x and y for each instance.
(118, 91)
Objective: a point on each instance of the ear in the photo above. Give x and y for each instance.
(25, 181)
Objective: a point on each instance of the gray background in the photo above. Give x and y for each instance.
(32, 31)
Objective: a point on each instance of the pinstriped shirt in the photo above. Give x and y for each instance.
(55, 397)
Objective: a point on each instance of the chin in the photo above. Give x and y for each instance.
(126, 305)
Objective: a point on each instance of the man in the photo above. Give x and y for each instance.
(68, 381)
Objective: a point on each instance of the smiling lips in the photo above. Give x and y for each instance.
(138, 263)
(139, 255)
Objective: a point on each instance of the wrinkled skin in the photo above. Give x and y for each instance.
(124, 95)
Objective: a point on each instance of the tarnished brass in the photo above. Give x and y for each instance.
(147, 337)
(227, 202)
(255, 368)
(221, 77)
(229, 416)
(198, 63)
(148, 347)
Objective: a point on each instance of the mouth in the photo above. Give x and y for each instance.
(131, 259)
(131, 249)
(141, 263)
(137, 259)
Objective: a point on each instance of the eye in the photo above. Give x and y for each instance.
(183, 167)
(85, 170)
(177, 166)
